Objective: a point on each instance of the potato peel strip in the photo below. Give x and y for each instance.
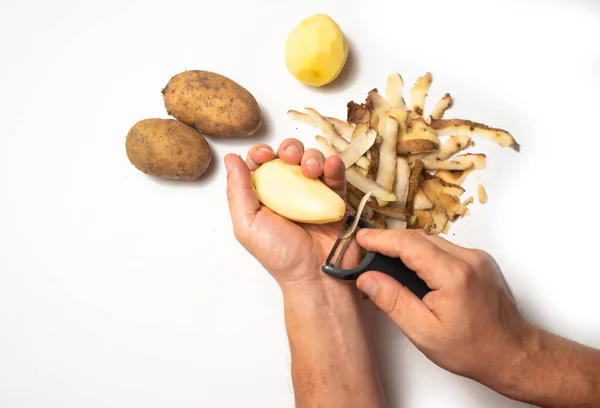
(359, 210)
(358, 147)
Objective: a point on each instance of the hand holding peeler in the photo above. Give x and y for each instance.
(373, 261)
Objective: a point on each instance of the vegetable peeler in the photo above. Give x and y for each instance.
(373, 261)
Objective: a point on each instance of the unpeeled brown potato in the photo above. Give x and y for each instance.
(168, 149)
(212, 103)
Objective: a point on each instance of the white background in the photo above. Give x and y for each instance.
(120, 290)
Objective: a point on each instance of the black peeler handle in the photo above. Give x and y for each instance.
(374, 261)
(395, 268)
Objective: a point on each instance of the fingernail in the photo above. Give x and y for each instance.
(312, 162)
(264, 149)
(292, 148)
(228, 166)
(369, 286)
(361, 232)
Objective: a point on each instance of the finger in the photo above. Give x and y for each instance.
(334, 175)
(430, 262)
(259, 154)
(243, 203)
(312, 163)
(402, 306)
(291, 151)
(466, 254)
(449, 247)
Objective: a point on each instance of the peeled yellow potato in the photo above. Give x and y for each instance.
(286, 191)
(316, 50)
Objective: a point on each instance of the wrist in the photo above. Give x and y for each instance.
(511, 358)
(554, 371)
(522, 362)
(322, 292)
(534, 376)
(330, 348)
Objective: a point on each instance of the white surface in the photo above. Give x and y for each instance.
(118, 290)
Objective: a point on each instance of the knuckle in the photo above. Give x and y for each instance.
(374, 232)
(314, 152)
(418, 235)
(412, 233)
(391, 306)
(288, 140)
(408, 234)
(261, 146)
(404, 238)
(231, 194)
(463, 274)
(480, 259)
(435, 300)
(239, 233)
(292, 141)
(379, 236)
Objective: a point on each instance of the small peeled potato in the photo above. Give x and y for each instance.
(167, 148)
(286, 191)
(316, 50)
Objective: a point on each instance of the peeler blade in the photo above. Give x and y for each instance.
(373, 261)
(330, 258)
(336, 254)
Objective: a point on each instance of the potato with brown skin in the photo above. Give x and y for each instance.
(168, 149)
(212, 103)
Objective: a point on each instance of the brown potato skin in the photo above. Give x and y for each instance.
(412, 146)
(212, 103)
(168, 149)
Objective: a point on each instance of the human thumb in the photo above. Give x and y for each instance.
(395, 300)
(241, 198)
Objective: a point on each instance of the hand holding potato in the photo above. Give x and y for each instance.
(292, 252)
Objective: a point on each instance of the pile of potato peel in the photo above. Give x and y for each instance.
(393, 151)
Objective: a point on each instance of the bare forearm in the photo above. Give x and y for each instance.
(555, 372)
(332, 361)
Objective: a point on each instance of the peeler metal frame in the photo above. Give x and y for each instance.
(373, 261)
